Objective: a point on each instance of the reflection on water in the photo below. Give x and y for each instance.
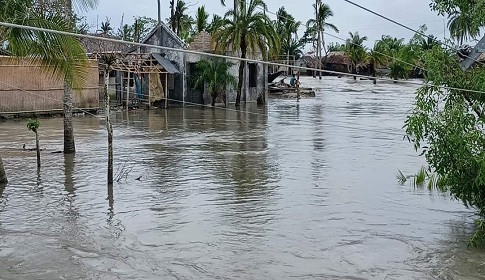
(302, 189)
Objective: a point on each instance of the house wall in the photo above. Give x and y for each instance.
(169, 39)
(26, 87)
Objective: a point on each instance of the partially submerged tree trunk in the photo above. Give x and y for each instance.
(319, 50)
(109, 128)
(241, 73)
(69, 146)
(373, 69)
(37, 147)
(213, 99)
(3, 176)
(354, 71)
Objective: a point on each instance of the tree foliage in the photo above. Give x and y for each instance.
(465, 17)
(214, 74)
(249, 30)
(447, 126)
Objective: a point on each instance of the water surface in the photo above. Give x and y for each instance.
(302, 190)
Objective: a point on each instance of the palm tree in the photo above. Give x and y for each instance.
(215, 23)
(180, 18)
(376, 57)
(286, 26)
(246, 29)
(391, 44)
(201, 18)
(106, 27)
(355, 50)
(293, 48)
(318, 25)
(83, 5)
(125, 33)
(462, 24)
(172, 15)
(64, 54)
(216, 76)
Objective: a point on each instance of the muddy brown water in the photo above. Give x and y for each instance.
(303, 190)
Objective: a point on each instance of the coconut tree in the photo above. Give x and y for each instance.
(201, 20)
(67, 12)
(106, 28)
(248, 30)
(317, 25)
(287, 27)
(215, 75)
(376, 57)
(180, 9)
(64, 55)
(215, 23)
(293, 48)
(355, 50)
(461, 24)
(391, 45)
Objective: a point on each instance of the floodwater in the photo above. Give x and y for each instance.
(303, 190)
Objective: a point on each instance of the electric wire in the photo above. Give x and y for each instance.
(231, 57)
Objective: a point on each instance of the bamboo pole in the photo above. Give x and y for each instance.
(128, 90)
(37, 147)
(109, 128)
(166, 90)
(298, 85)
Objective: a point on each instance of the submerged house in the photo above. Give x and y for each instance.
(164, 76)
(181, 68)
(168, 85)
(26, 86)
(255, 80)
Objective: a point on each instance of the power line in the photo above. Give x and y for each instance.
(229, 57)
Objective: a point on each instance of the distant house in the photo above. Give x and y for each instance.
(337, 61)
(26, 87)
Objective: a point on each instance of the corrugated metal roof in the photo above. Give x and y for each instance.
(166, 64)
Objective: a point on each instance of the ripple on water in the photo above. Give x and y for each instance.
(307, 191)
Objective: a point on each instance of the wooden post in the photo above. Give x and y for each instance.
(37, 147)
(166, 90)
(128, 90)
(298, 85)
(109, 128)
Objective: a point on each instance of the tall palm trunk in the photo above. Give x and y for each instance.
(241, 72)
(373, 67)
(69, 145)
(319, 51)
(3, 176)
(288, 55)
(172, 15)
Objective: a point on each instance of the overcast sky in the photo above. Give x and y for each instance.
(346, 16)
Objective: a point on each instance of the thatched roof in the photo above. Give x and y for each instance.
(337, 58)
(99, 46)
(202, 42)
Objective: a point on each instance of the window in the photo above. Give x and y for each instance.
(253, 77)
